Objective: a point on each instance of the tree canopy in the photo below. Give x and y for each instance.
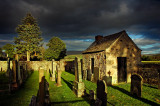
(56, 49)
(29, 36)
(9, 50)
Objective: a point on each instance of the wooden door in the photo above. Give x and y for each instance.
(122, 72)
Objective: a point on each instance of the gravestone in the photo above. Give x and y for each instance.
(15, 74)
(84, 74)
(89, 74)
(18, 69)
(41, 93)
(53, 70)
(102, 92)
(58, 75)
(136, 85)
(78, 85)
(158, 78)
(96, 74)
(92, 95)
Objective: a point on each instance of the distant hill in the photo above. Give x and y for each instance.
(73, 52)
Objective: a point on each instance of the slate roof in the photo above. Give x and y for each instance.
(103, 43)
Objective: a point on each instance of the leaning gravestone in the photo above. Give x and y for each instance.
(102, 92)
(78, 87)
(136, 85)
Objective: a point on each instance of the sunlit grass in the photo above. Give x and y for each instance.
(64, 96)
(151, 62)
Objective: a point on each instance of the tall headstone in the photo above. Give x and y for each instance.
(78, 87)
(136, 85)
(84, 74)
(18, 69)
(58, 75)
(41, 94)
(15, 74)
(53, 70)
(102, 92)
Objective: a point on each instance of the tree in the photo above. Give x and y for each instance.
(56, 49)
(9, 50)
(29, 36)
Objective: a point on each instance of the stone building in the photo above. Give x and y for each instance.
(116, 56)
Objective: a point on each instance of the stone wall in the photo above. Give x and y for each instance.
(31, 65)
(99, 61)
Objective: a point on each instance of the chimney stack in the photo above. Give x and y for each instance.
(98, 37)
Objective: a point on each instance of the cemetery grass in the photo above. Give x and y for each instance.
(22, 96)
(73, 56)
(117, 95)
(150, 62)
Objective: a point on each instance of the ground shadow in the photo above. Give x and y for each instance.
(69, 84)
(135, 97)
(71, 72)
(150, 86)
(53, 103)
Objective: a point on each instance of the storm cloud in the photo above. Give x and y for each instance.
(84, 19)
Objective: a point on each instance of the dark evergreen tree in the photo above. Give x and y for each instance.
(29, 36)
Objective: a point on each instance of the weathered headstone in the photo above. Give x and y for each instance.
(41, 87)
(58, 75)
(96, 74)
(84, 74)
(53, 70)
(18, 69)
(92, 95)
(102, 92)
(158, 78)
(136, 85)
(78, 87)
(15, 74)
(89, 75)
(98, 102)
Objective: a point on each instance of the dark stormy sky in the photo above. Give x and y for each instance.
(77, 22)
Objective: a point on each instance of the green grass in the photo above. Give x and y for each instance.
(151, 62)
(73, 56)
(22, 96)
(64, 96)
(117, 95)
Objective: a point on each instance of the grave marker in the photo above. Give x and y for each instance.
(136, 85)
(102, 92)
(78, 87)
(58, 75)
(53, 70)
(41, 86)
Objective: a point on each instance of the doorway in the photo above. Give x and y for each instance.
(122, 72)
(92, 65)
